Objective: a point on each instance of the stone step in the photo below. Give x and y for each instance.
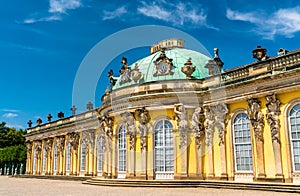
(279, 187)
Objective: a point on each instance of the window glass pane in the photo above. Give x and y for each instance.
(100, 152)
(55, 158)
(163, 147)
(44, 159)
(122, 149)
(68, 157)
(83, 156)
(294, 128)
(242, 143)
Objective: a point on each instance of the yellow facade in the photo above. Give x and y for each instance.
(223, 98)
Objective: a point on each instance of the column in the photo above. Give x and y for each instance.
(150, 157)
(198, 119)
(257, 123)
(29, 155)
(182, 124)
(220, 111)
(273, 111)
(209, 130)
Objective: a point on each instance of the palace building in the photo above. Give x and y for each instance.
(176, 114)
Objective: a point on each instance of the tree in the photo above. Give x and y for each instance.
(12, 148)
(11, 136)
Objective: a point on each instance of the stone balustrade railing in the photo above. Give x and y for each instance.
(272, 64)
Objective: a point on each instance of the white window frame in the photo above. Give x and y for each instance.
(245, 143)
(294, 140)
(122, 156)
(55, 158)
(160, 127)
(44, 159)
(100, 153)
(83, 153)
(34, 160)
(68, 157)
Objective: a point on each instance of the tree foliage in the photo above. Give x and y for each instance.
(10, 136)
(12, 144)
(15, 154)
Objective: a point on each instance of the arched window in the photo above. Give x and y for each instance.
(68, 157)
(44, 159)
(34, 160)
(122, 149)
(242, 143)
(83, 156)
(163, 149)
(100, 147)
(55, 158)
(294, 129)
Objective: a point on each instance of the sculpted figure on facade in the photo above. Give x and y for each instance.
(129, 121)
(74, 141)
(60, 142)
(125, 71)
(220, 110)
(256, 118)
(198, 119)
(89, 137)
(182, 122)
(106, 124)
(38, 148)
(209, 125)
(29, 148)
(272, 116)
(144, 118)
(111, 78)
(48, 145)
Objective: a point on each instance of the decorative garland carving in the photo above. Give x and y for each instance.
(144, 118)
(163, 65)
(209, 125)
(129, 121)
(198, 119)
(220, 110)
(182, 123)
(256, 118)
(272, 116)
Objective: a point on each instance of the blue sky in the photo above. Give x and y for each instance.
(42, 43)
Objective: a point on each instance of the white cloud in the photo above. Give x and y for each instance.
(44, 19)
(114, 14)
(154, 11)
(175, 13)
(10, 115)
(10, 110)
(56, 9)
(235, 15)
(284, 22)
(61, 6)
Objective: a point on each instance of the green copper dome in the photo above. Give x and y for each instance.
(152, 68)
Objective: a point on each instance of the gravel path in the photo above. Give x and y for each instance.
(31, 186)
